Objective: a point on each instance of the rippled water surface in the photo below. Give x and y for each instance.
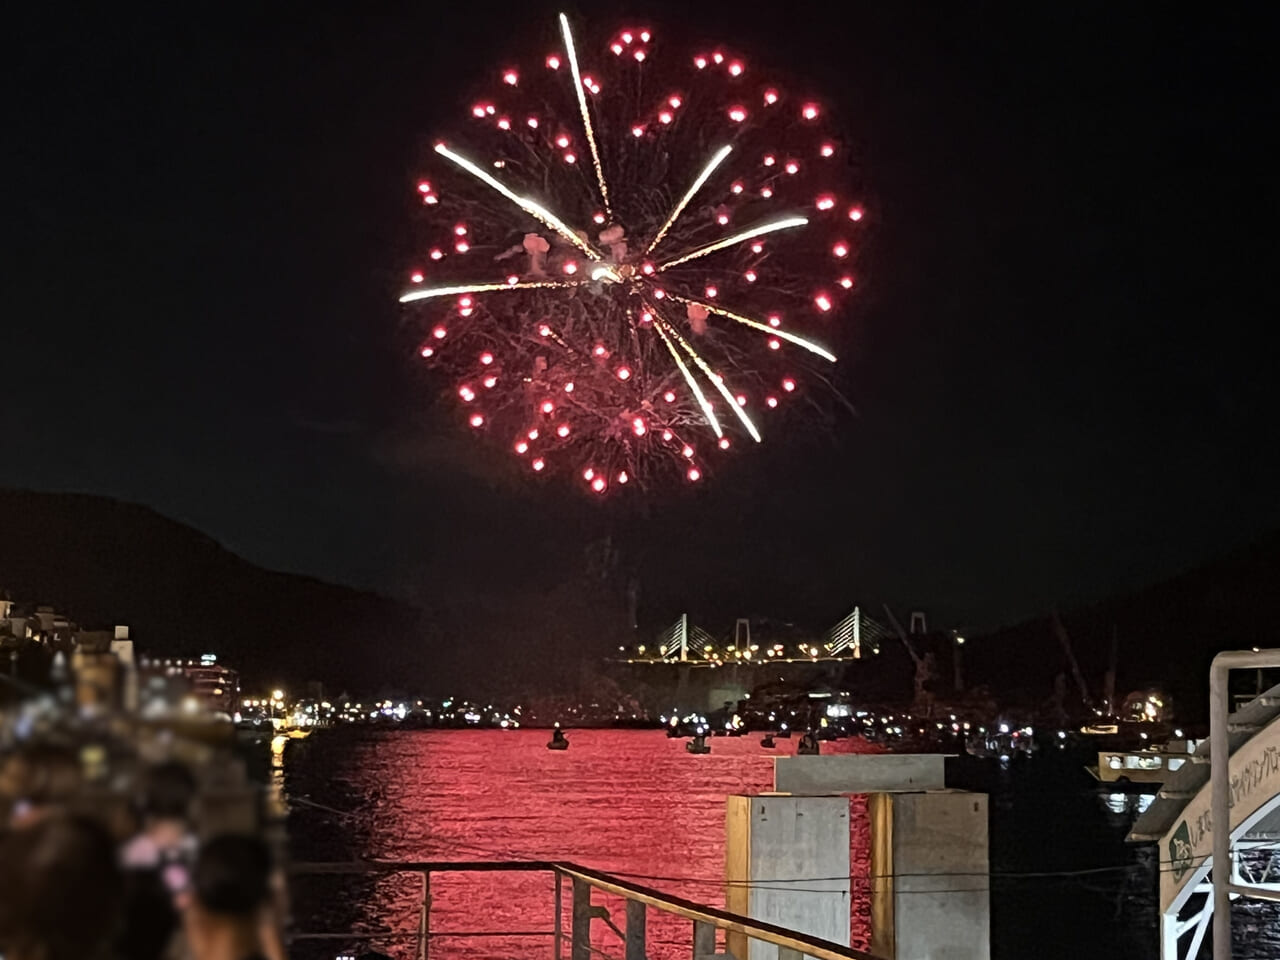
(636, 804)
(630, 802)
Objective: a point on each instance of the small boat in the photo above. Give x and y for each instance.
(558, 740)
(698, 744)
(1145, 768)
(767, 741)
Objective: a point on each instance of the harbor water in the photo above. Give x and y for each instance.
(634, 803)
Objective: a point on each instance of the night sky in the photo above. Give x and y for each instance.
(1060, 354)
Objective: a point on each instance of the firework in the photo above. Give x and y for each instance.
(633, 254)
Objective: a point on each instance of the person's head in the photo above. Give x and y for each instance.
(38, 779)
(60, 890)
(168, 790)
(230, 887)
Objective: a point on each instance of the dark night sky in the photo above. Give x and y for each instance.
(1057, 356)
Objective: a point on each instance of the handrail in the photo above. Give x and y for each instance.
(790, 942)
(756, 929)
(358, 867)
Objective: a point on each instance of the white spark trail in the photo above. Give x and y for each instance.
(688, 376)
(758, 231)
(717, 381)
(534, 209)
(586, 115)
(431, 292)
(757, 325)
(697, 185)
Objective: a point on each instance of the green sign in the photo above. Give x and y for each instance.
(1180, 851)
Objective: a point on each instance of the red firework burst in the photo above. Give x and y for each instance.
(633, 256)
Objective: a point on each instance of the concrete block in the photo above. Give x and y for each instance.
(859, 773)
(931, 892)
(796, 844)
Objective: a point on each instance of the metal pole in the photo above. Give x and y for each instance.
(581, 920)
(635, 930)
(424, 918)
(1220, 783)
(1220, 808)
(559, 925)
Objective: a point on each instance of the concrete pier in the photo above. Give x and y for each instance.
(931, 893)
(798, 844)
(929, 853)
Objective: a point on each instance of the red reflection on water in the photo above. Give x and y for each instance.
(632, 803)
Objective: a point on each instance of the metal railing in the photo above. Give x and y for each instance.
(706, 920)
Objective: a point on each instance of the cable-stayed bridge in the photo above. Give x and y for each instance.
(853, 637)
